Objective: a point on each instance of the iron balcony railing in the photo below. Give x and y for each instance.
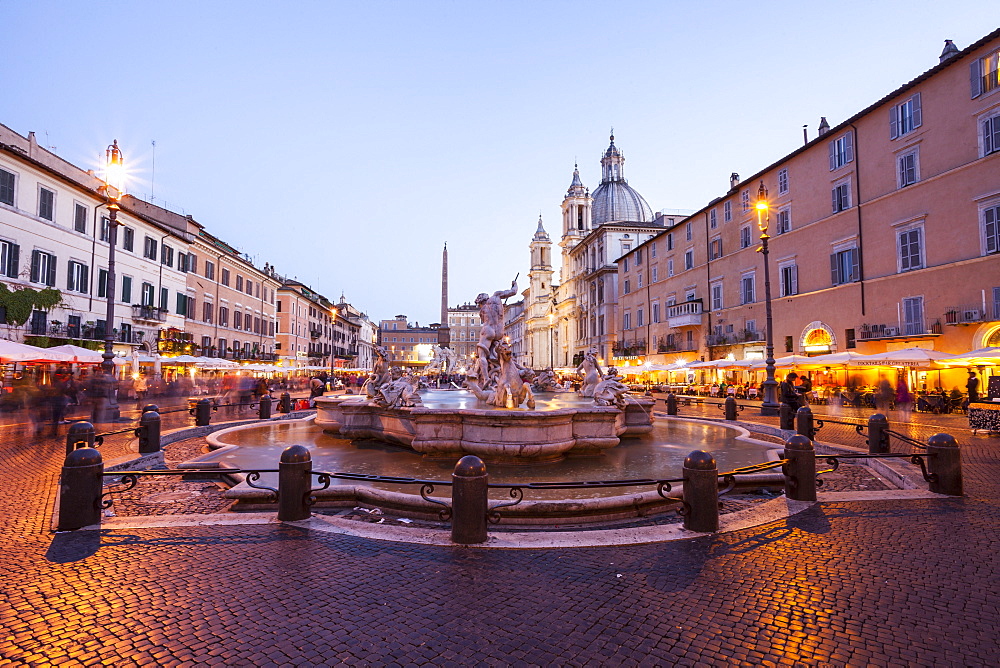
(966, 314)
(150, 313)
(869, 332)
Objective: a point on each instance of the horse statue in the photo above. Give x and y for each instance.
(510, 389)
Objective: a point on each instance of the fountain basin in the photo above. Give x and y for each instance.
(494, 435)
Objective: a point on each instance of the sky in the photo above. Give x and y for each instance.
(346, 142)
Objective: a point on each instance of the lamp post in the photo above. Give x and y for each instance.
(770, 404)
(114, 188)
(551, 348)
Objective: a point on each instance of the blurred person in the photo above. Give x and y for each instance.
(141, 387)
(788, 393)
(883, 396)
(904, 400)
(972, 387)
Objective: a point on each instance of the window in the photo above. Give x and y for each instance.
(76, 277)
(844, 266)
(670, 268)
(784, 220)
(206, 311)
(716, 296)
(627, 289)
(166, 255)
(127, 289)
(625, 264)
(745, 200)
(147, 294)
(991, 229)
(984, 74)
(913, 315)
(43, 268)
(237, 320)
(637, 256)
(164, 299)
(713, 220)
(727, 211)
(656, 312)
(149, 248)
(102, 283)
(79, 217)
(225, 277)
(689, 259)
(105, 229)
(223, 317)
(249, 285)
(640, 318)
(747, 288)
(209, 270)
(905, 117)
(910, 247)
(46, 204)
(239, 283)
(652, 249)
(746, 237)
(841, 151)
(670, 241)
(841, 197)
(192, 263)
(991, 134)
(654, 274)
(908, 172)
(638, 280)
(627, 321)
(782, 181)
(10, 254)
(128, 238)
(687, 231)
(247, 321)
(182, 304)
(6, 187)
(788, 275)
(715, 248)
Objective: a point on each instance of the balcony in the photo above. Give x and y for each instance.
(734, 338)
(906, 330)
(629, 348)
(685, 314)
(968, 315)
(148, 313)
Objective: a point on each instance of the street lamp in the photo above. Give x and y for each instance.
(551, 347)
(769, 386)
(114, 188)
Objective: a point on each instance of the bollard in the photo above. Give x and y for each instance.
(202, 413)
(294, 483)
(80, 432)
(285, 405)
(878, 434)
(671, 404)
(149, 432)
(264, 407)
(469, 501)
(800, 471)
(701, 492)
(150, 408)
(804, 423)
(944, 461)
(786, 417)
(730, 408)
(80, 489)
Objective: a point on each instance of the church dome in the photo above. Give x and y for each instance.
(615, 200)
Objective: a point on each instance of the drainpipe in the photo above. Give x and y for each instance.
(708, 283)
(861, 238)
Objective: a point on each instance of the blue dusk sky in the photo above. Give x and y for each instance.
(345, 142)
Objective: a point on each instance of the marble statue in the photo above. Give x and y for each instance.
(611, 391)
(546, 382)
(592, 373)
(380, 372)
(398, 393)
(443, 360)
(491, 312)
(509, 388)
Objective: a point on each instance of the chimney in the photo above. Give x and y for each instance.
(734, 180)
(950, 51)
(805, 134)
(824, 127)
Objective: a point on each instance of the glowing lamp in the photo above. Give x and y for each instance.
(114, 172)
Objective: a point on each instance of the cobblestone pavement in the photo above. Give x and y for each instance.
(842, 584)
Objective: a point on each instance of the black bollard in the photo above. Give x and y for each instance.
(80, 489)
(701, 492)
(730, 408)
(878, 434)
(203, 413)
(294, 483)
(469, 501)
(800, 471)
(150, 408)
(944, 461)
(285, 405)
(804, 422)
(671, 404)
(149, 432)
(80, 432)
(264, 407)
(786, 417)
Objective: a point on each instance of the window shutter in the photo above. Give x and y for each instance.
(12, 266)
(69, 275)
(833, 155)
(795, 279)
(834, 202)
(918, 115)
(849, 147)
(834, 274)
(35, 260)
(975, 79)
(51, 282)
(855, 269)
(893, 122)
(84, 275)
(990, 220)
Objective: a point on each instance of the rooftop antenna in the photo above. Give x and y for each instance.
(152, 177)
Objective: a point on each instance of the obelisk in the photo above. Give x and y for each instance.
(444, 331)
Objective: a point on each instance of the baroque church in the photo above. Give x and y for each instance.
(566, 316)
